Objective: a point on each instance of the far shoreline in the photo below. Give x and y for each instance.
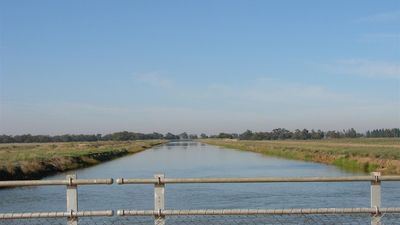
(358, 155)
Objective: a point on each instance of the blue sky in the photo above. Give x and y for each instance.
(198, 66)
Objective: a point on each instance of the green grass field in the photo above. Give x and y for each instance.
(358, 154)
(25, 161)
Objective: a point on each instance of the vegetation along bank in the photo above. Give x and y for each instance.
(356, 154)
(34, 161)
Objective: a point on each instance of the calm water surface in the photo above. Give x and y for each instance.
(191, 159)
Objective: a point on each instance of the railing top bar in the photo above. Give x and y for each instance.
(255, 211)
(21, 183)
(256, 180)
(55, 214)
(390, 178)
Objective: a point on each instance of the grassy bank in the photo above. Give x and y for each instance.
(33, 161)
(358, 154)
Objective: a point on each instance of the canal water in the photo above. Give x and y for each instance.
(193, 159)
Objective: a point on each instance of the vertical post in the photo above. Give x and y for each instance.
(376, 198)
(159, 199)
(72, 200)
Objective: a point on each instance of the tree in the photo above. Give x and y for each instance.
(297, 134)
(170, 136)
(203, 136)
(247, 135)
(281, 133)
(317, 134)
(193, 136)
(305, 134)
(350, 133)
(184, 135)
(333, 134)
(225, 135)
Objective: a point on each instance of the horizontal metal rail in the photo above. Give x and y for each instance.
(22, 183)
(256, 180)
(31, 215)
(193, 212)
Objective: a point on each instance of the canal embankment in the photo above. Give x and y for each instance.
(35, 161)
(361, 154)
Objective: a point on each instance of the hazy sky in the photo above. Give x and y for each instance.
(198, 66)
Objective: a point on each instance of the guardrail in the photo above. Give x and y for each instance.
(72, 214)
(160, 181)
(160, 213)
(32, 215)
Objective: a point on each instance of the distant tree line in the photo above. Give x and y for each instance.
(275, 134)
(304, 134)
(395, 132)
(118, 136)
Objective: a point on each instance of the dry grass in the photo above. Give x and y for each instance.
(23, 161)
(367, 154)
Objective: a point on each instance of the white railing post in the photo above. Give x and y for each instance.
(376, 198)
(159, 199)
(72, 200)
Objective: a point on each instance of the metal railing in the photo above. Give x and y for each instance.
(160, 213)
(72, 214)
